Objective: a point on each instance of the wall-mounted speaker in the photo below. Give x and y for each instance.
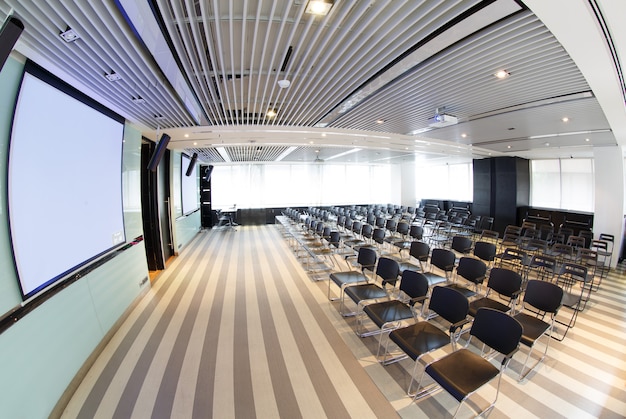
(158, 152)
(207, 175)
(11, 30)
(192, 164)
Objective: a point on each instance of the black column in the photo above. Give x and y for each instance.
(501, 185)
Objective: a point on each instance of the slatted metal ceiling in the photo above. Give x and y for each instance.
(347, 70)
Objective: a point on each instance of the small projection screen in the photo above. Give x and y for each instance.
(189, 186)
(64, 181)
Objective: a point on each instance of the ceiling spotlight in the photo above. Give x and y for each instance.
(508, 146)
(502, 74)
(565, 119)
(112, 76)
(283, 84)
(69, 35)
(319, 7)
(587, 139)
(380, 121)
(547, 144)
(271, 113)
(464, 135)
(138, 100)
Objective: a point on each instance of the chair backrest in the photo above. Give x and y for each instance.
(335, 238)
(576, 242)
(380, 222)
(544, 296)
(419, 250)
(367, 258)
(546, 231)
(378, 235)
(414, 284)
(587, 235)
(388, 270)
(504, 281)
(587, 256)
(443, 259)
(367, 231)
(485, 251)
(356, 227)
(391, 225)
(562, 249)
(416, 232)
(574, 271)
(489, 235)
(543, 261)
(461, 244)
(449, 304)
(609, 238)
(403, 228)
(497, 330)
(472, 269)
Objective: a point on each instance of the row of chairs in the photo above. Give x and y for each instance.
(402, 301)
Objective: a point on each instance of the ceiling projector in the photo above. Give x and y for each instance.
(442, 120)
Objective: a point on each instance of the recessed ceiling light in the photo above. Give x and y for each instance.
(464, 135)
(565, 119)
(508, 146)
(186, 135)
(587, 139)
(323, 134)
(502, 74)
(547, 144)
(271, 113)
(69, 35)
(283, 84)
(380, 121)
(195, 143)
(319, 7)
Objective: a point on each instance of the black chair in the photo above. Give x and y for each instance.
(485, 251)
(387, 270)
(420, 252)
(463, 372)
(541, 299)
(424, 337)
(386, 315)
(573, 280)
(473, 270)
(366, 261)
(507, 284)
(461, 245)
(542, 266)
(442, 259)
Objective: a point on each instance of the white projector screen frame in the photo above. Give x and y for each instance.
(64, 183)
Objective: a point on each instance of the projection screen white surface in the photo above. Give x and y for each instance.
(64, 184)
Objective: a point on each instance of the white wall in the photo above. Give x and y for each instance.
(609, 194)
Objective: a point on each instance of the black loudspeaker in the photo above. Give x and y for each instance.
(192, 164)
(158, 152)
(10, 32)
(207, 175)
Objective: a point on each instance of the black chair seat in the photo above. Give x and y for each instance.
(407, 266)
(348, 277)
(419, 339)
(468, 293)
(434, 279)
(533, 328)
(487, 303)
(388, 311)
(460, 382)
(365, 292)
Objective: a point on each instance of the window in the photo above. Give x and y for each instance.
(562, 184)
(282, 185)
(450, 182)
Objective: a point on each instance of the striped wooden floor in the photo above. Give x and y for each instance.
(236, 328)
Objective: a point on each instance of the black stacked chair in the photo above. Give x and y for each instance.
(420, 252)
(541, 299)
(463, 372)
(387, 315)
(474, 271)
(507, 284)
(387, 270)
(424, 337)
(444, 260)
(366, 261)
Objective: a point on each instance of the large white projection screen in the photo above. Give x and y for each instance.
(64, 184)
